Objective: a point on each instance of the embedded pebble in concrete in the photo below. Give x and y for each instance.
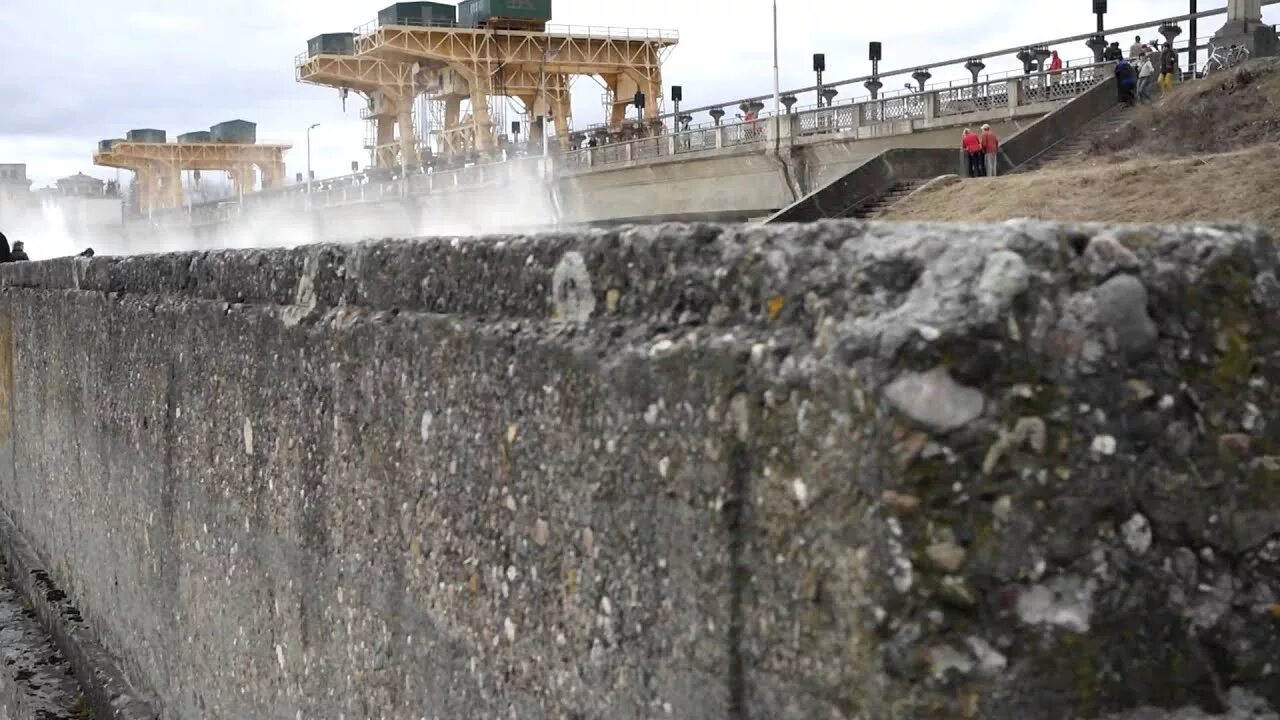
(1121, 312)
(1107, 256)
(935, 400)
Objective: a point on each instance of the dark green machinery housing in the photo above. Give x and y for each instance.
(332, 44)
(106, 145)
(199, 136)
(241, 132)
(505, 14)
(419, 14)
(146, 135)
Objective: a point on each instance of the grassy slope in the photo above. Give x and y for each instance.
(1207, 152)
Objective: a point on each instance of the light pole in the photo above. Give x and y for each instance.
(1191, 59)
(777, 93)
(309, 176)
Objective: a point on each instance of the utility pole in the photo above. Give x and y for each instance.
(1192, 59)
(309, 174)
(777, 91)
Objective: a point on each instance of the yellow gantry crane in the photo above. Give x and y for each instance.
(157, 164)
(475, 54)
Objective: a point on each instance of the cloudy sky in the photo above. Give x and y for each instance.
(74, 72)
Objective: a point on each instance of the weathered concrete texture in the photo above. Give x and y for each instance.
(827, 471)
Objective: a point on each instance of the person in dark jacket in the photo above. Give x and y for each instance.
(19, 254)
(1168, 67)
(1113, 52)
(1126, 81)
(5, 255)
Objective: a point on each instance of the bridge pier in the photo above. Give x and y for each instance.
(1244, 27)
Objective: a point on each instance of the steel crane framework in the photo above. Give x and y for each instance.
(393, 65)
(158, 167)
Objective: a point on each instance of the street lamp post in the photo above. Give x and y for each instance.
(777, 92)
(1191, 60)
(309, 175)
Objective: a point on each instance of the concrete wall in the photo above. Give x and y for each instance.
(838, 470)
(838, 198)
(283, 482)
(1058, 126)
(827, 161)
(742, 182)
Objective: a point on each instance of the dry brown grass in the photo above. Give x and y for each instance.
(1207, 152)
(1243, 186)
(1237, 109)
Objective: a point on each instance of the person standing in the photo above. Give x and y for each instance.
(1135, 50)
(1146, 74)
(990, 149)
(972, 145)
(19, 253)
(1055, 68)
(1168, 66)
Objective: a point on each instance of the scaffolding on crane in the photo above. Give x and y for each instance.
(464, 70)
(158, 167)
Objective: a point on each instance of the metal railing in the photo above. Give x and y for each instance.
(1117, 32)
(1023, 89)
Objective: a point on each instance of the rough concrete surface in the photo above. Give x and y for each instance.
(832, 471)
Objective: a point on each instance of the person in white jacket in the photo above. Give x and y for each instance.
(1146, 74)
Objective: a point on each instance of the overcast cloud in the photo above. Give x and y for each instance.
(75, 72)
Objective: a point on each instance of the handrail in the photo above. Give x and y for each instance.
(1040, 86)
(961, 60)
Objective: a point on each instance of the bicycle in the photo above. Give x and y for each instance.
(1220, 59)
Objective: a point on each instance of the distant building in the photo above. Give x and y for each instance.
(13, 180)
(80, 185)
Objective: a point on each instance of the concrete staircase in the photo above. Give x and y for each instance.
(877, 205)
(1107, 123)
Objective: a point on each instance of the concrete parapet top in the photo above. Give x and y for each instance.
(666, 274)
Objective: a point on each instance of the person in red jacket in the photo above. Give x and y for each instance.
(990, 150)
(972, 145)
(1055, 68)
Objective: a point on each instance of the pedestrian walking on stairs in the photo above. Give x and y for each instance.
(1126, 79)
(972, 145)
(1146, 76)
(1168, 67)
(990, 150)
